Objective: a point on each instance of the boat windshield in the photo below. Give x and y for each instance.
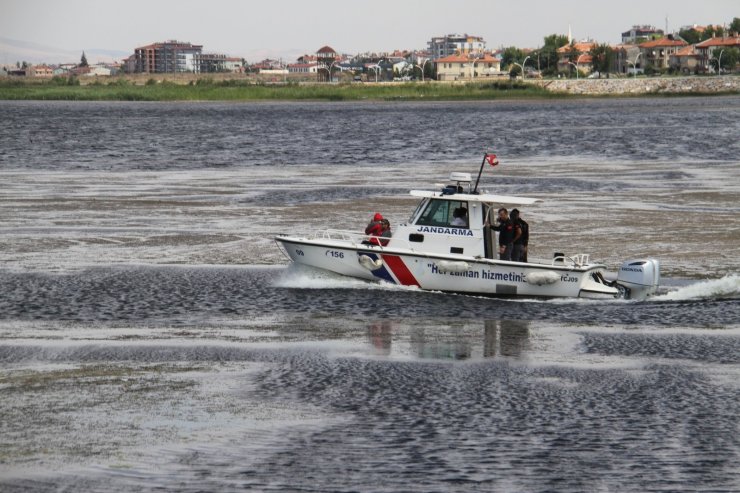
(416, 211)
(440, 212)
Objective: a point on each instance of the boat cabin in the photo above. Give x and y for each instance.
(455, 220)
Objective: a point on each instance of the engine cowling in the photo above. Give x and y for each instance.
(639, 277)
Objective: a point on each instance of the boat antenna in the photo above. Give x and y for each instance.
(492, 160)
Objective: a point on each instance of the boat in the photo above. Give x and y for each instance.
(431, 253)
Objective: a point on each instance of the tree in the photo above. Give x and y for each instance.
(602, 57)
(548, 54)
(83, 60)
(510, 55)
(691, 36)
(735, 25)
(711, 31)
(573, 53)
(730, 57)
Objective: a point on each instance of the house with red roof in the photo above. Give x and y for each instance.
(576, 53)
(657, 53)
(326, 59)
(706, 49)
(686, 60)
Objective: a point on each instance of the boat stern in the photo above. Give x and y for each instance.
(639, 278)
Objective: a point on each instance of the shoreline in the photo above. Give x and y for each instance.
(243, 90)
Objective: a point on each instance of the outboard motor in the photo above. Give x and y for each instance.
(639, 278)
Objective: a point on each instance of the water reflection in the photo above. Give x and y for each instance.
(505, 337)
(380, 335)
(455, 340)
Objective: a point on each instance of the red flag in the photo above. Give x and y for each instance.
(492, 159)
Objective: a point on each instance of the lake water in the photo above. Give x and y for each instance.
(152, 335)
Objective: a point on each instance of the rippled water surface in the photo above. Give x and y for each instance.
(152, 336)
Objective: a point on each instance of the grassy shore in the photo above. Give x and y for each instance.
(231, 90)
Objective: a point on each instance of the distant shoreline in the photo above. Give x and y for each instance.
(207, 89)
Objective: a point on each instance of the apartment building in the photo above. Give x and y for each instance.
(168, 57)
(455, 44)
(641, 33)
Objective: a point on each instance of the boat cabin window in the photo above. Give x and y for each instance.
(453, 213)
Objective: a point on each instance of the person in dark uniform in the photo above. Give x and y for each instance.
(519, 252)
(508, 233)
(387, 233)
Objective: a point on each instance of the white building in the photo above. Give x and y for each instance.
(303, 68)
(452, 44)
(98, 70)
(639, 33)
(459, 67)
(232, 64)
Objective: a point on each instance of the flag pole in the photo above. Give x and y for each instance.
(480, 172)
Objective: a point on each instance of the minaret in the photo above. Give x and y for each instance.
(570, 36)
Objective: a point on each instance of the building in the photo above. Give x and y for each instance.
(686, 60)
(303, 68)
(98, 70)
(657, 53)
(267, 64)
(577, 54)
(455, 44)
(216, 62)
(641, 33)
(626, 59)
(326, 58)
(42, 71)
(234, 65)
(463, 67)
(705, 49)
(168, 57)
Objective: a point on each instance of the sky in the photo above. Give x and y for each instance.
(288, 28)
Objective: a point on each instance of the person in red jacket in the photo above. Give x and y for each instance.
(374, 228)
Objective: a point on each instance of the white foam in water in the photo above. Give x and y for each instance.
(726, 287)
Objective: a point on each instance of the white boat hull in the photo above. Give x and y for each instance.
(448, 273)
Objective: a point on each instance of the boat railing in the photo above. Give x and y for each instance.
(577, 260)
(358, 237)
(338, 234)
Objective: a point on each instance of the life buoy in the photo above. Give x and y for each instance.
(369, 263)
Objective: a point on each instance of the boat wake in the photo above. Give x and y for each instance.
(724, 288)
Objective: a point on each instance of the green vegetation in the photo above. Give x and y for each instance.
(512, 55)
(729, 58)
(549, 53)
(735, 25)
(235, 90)
(602, 58)
(692, 36)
